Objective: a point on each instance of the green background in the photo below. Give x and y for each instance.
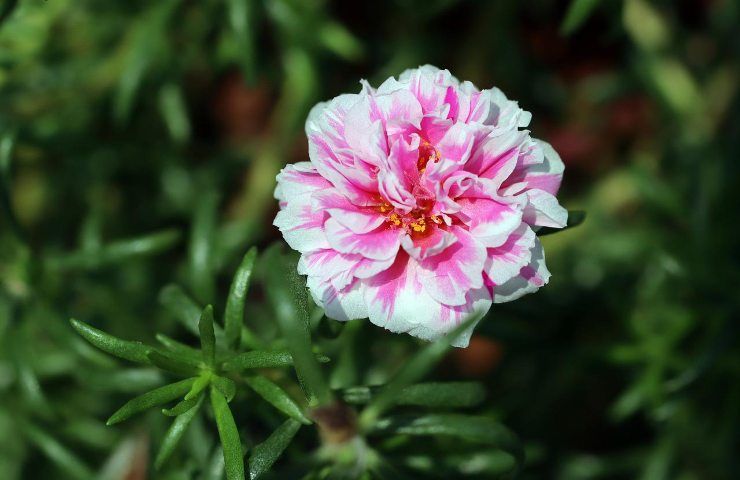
(165, 122)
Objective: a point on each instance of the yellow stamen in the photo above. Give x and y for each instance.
(419, 225)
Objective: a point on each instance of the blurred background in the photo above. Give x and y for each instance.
(139, 142)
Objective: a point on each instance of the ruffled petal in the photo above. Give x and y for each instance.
(529, 279)
(379, 244)
(357, 219)
(457, 269)
(302, 226)
(490, 221)
(506, 261)
(339, 304)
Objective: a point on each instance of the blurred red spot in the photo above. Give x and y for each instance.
(480, 358)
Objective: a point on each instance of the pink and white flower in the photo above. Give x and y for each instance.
(420, 204)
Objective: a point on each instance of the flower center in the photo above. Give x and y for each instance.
(415, 223)
(418, 221)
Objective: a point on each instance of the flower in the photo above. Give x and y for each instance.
(419, 207)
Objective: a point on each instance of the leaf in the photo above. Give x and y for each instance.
(57, 453)
(133, 351)
(174, 112)
(178, 348)
(287, 293)
(171, 362)
(418, 366)
(181, 306)
(234, 315)
(477, 429)
(199, 385)
(575, 218)
(207, 335)
(266, 453)
(181, 407)
(578, 12)
(175, 433)
(226, 386)
(116, 252)
(447, 394)
(240, 14)
(202, 240)
(258, 359)
(452, 394)
(277, 397)
(227, 431)
(151, 399)
(263, 359)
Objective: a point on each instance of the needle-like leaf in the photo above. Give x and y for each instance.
(287, 292)
(207, 335)
(175, 433)
(266, 453)
(133, 351)
(234, 315)
(472, 428)
(151, 399)
(276, 396)
(229, 435)
(418, 366)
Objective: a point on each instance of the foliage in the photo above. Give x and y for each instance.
(138, 147)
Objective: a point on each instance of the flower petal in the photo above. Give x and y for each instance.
(529, 279)
(343, 305)
(506, 261)
(450, 274)
(357, 219)
(490, 221)
(379, 244)
(301, 226)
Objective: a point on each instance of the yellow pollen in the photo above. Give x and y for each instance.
(436, 219)
(395, 219)
(419, 225)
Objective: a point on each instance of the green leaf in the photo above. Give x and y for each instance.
(277, 397)
(287, 293)
(575, 218)
(258, 359)
(477, 429)
(263, 359)
(578, 12)
(414, 369)
(227, 431)
(151, 399)
(181, 407)
(452, 394)
(448, 394)
(178, 348)
(181, 306)
(174, 112)
(234, 316)
(133, 351)
(266, 453)
(202, 240)
(171, 362)
(175, 433)
(241, 18)
(199, 385)
(57, 453)
(116, 252)
(207, 335)
(226, 386)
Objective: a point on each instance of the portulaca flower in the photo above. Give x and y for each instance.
(419, 207)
